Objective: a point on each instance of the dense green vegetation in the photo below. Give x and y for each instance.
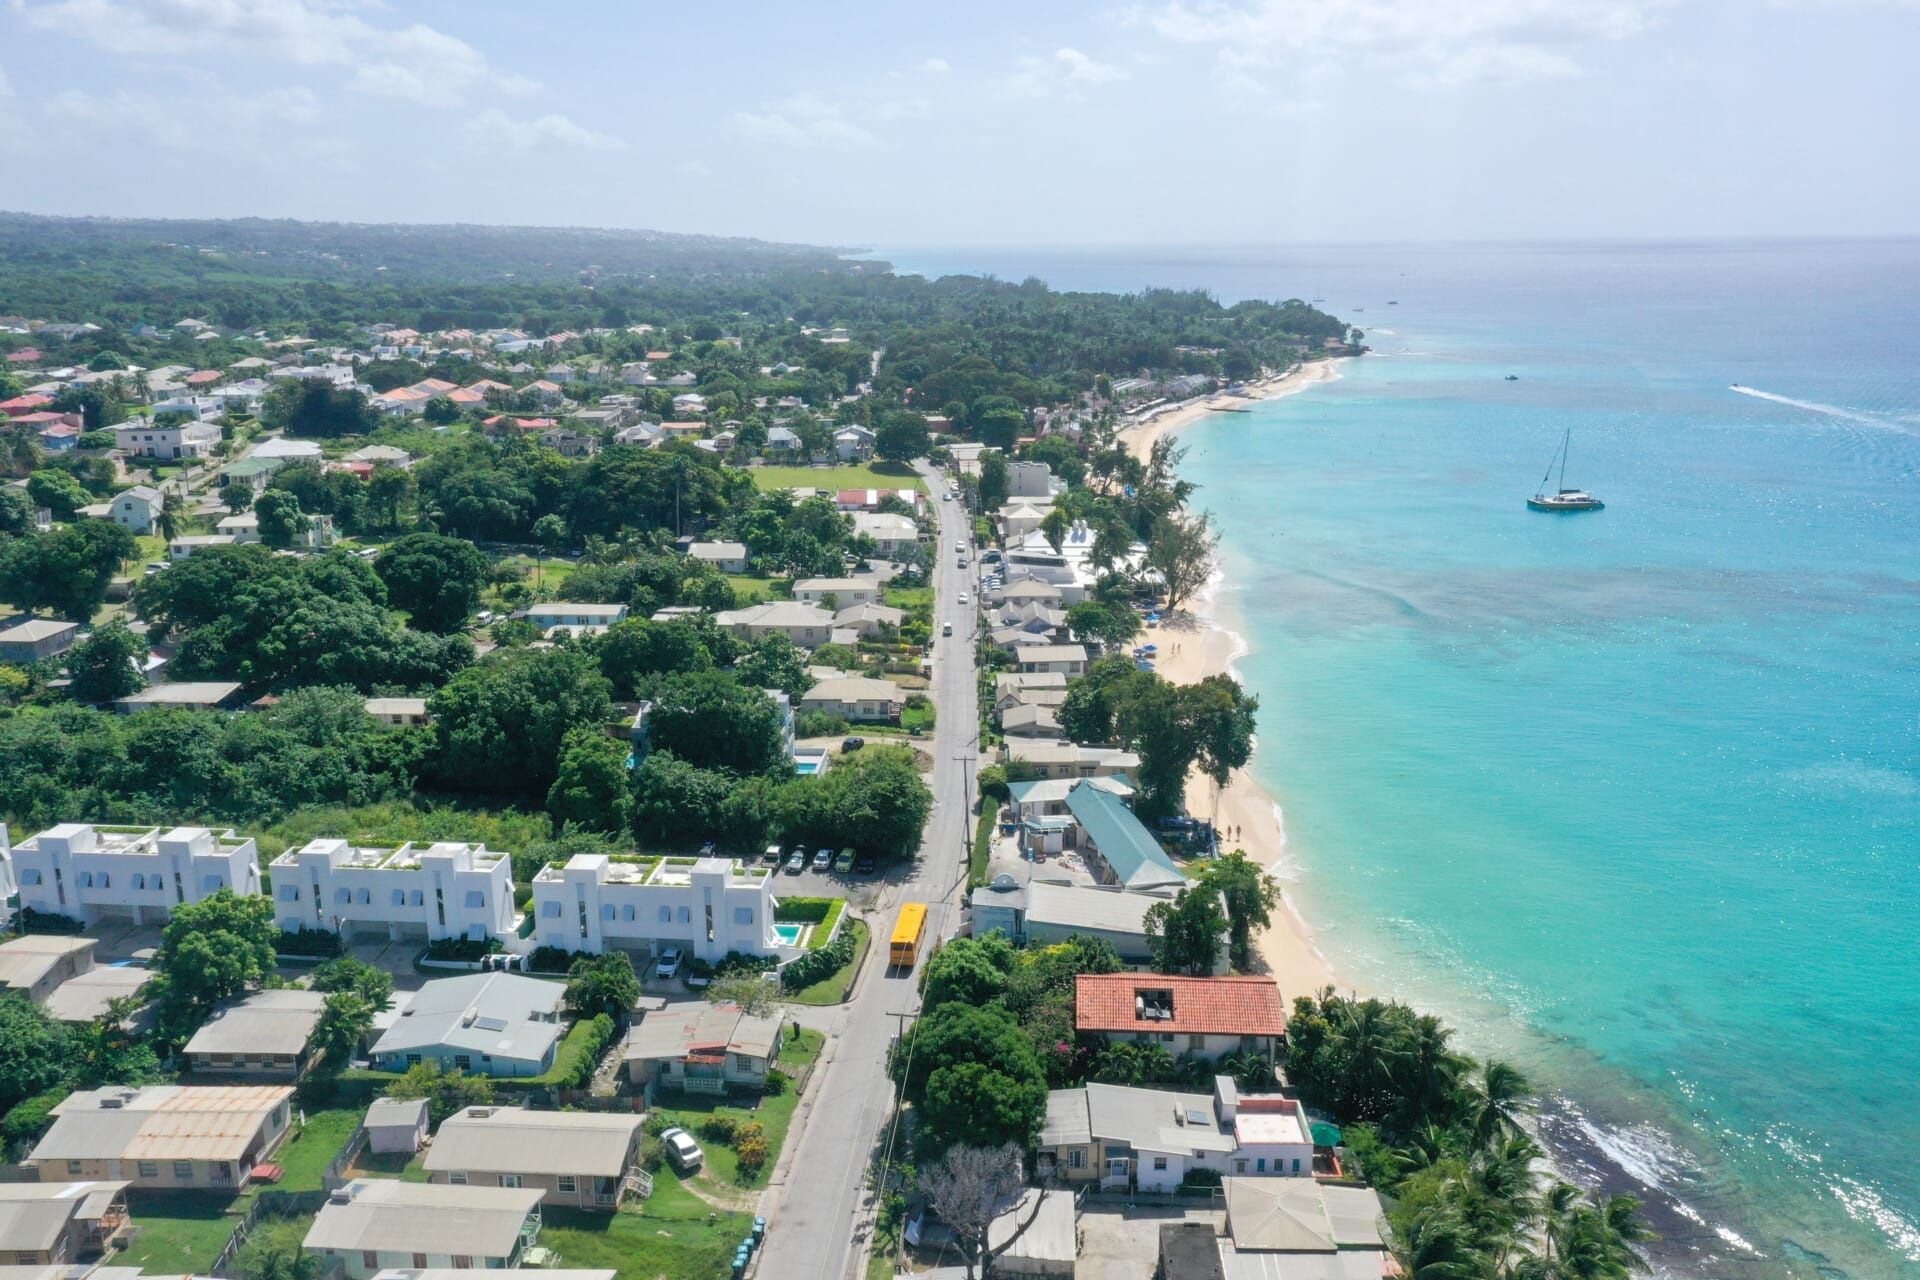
(1441, 1135)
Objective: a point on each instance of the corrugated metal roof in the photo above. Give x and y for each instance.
(515, 1140)
(160, 1122)
(420, 1217)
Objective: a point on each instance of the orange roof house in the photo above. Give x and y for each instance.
(1149, 1005)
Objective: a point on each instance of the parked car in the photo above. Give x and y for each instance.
(796, 864)
(863, 865)
(772, 856)
(822, 859)
(844, 863)
(681, 1149)
(852, 744)
(668, 966)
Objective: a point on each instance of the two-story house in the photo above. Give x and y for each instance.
(1201, 1017)
(445, 890)
(91, 873)
(709, 906)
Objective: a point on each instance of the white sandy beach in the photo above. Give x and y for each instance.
(1193, 646)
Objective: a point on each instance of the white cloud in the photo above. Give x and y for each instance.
(803, 121)
(494, 128)
(1442, 42)
(1066, 71)
(417, 63)
(935, 66)
(204, 121)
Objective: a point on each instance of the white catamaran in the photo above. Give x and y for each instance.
(1562, 498)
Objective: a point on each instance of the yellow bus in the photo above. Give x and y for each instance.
(906, 935)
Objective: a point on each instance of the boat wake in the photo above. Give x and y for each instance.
(1827, 410)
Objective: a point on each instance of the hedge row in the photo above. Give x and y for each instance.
(817, 965)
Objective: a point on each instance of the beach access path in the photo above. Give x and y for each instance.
(1194, 644)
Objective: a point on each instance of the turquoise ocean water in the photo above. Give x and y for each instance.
(1632, 797)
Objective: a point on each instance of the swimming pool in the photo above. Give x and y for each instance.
(806, 768)
(789, 934)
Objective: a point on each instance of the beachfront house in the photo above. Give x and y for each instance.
(1196, 1017)
(1286, 1227)
(1120, 1137)
(1071, 760)
(1116, 846)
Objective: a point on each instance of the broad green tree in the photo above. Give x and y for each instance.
(435, 578)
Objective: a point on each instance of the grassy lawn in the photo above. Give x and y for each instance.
(880, 475)
(832, 989)
(306, 1155)
(750, 590)
(910, 598)
(667, 1234)
(774, 1112)
(180, 1232)
(919, 718)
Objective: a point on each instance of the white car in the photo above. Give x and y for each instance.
(682, 1149)
(963, 597)
(669, 963)
(947, 496)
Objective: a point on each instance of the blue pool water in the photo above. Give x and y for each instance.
(789, 934)
(1634, 796)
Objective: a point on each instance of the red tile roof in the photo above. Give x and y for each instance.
(26, 355)
(202, 377)
(24, 404)
(1230, 1006)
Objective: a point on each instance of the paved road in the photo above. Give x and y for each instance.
(819, 1215)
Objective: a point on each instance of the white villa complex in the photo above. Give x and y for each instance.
(445, 890)
(710, 906)
(91, 873)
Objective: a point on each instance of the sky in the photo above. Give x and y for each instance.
(1049, 123)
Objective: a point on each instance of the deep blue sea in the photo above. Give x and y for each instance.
(1632, 797)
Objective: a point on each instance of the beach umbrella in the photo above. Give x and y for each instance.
(1325, 1135)
(1149, 648)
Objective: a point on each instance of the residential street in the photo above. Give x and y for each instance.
(818, 1209)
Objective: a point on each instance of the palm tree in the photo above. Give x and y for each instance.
(1501, 1096)
(167, 522)
(1437, 1245)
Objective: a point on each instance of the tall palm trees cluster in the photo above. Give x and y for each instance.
(1441, 1136)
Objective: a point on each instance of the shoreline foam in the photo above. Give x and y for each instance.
(1203, 640)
